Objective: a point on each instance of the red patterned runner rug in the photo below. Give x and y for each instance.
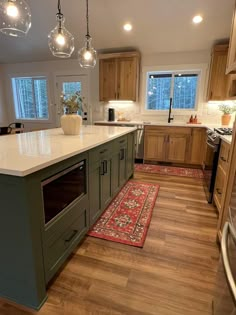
(169, 170)
(126, 220)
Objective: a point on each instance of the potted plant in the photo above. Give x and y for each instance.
(73, 107)
(227, 110)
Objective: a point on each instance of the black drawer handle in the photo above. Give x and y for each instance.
(73, 233)
(223, 159)
(122, 154)
(122, 141)
(218, 191)
(105, 166)
(102, 168)
(103, 151)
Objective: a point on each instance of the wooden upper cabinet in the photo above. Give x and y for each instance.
(231, 61)
(107, 84)
(119, 76)
(218, 80)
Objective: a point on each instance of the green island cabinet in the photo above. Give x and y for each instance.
(32, 250)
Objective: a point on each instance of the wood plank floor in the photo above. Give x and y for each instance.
(173, 274)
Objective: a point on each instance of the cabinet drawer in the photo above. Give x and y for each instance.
(63, 236)
(219, 186)
(224, 155)
(119, 143)
(100, 153)
(168, 130)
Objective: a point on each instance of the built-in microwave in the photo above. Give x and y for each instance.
(60, 190)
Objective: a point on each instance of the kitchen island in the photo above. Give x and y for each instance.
(52, 189)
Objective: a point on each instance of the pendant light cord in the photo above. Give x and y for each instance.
(59, 7)
(87, 18)
(59, 15)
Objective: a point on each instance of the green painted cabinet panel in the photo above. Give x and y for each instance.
(115, 179)
(130, 154)
(94, 193)
(64, 235)
(106, 191)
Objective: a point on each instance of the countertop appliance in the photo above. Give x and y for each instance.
(111, 114)
(224, 302)
(211, 159)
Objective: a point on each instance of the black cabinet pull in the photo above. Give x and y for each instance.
(73, 233)
(223, 159)
(218, 191)
(105, 166)
(122, 154)
(102, 168)
(103, 151)
(122, 141)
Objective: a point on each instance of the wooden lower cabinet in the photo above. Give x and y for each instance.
(197, 145)
(220, 187)
(177, 148)
(167, 144)
(154, 146)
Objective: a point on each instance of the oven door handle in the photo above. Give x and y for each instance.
(211, 146)
(224, 249)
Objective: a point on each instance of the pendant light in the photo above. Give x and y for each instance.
(60, 40)
(15, 17)
(87, 55)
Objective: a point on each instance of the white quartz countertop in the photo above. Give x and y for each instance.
(153, 123)
(26, 153)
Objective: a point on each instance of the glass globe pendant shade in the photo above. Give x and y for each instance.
(15, 17)
(87, 55)
(60, 40)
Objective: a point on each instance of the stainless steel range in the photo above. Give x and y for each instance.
(210, 162)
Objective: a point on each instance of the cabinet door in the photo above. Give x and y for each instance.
(127, 78)
(231, 62)
(217, 86)
(154, 146)
(177, 148)
(130, 155)
(107, 80)
(95, 193)
(115, 181)
(105, 183)
(198, 143)
(219, 185)
(122, 165)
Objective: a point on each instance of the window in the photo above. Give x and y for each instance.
(30, 97)
(181, 86)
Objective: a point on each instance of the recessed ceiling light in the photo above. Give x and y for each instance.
(197, 19)
(127, 27)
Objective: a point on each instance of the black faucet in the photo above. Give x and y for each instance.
(170, 107)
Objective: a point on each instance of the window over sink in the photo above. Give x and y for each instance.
(183, 84)
(30, 98)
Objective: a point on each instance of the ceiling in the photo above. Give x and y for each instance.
(158, 26)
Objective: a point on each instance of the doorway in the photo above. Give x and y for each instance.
(69, 84)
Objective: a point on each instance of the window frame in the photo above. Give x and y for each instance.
(200, 69)
(13, 93)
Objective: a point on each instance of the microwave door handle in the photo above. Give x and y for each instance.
(225, 258)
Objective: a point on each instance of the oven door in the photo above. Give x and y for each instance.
(209, 168)
(224, 302)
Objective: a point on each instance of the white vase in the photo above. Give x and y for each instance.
(71, 124)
